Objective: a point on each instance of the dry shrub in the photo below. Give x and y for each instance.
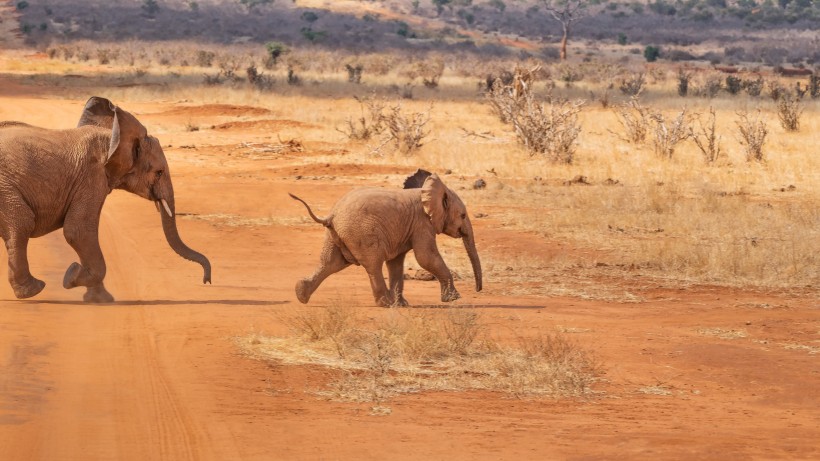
(669, 133)
(634, 118)
(753, 132)
(549, 129)
(706, 137)
(425, 351)
(406, 131)
(632, 85)
(371, 121)
(789, 110)
(684, 77)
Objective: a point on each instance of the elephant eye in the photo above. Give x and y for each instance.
(463, 215)
(159, 173)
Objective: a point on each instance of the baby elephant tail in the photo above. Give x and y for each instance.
(325, 222)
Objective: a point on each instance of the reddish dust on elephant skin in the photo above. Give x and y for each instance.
(692, 374)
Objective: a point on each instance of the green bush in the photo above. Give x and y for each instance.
(651, 53)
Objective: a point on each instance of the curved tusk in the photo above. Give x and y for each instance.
(167, 208)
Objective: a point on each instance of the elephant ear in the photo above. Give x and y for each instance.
(126, 131)
(434, 199)
(98, 112)
(417, 179)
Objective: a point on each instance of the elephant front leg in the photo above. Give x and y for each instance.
(430, 259)
(90, 271)
(20, 278)
(395, 270)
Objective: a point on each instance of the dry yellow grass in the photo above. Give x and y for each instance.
(414, 351)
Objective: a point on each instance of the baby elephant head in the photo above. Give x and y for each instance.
(447, 213)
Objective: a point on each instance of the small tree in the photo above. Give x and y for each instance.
(566, 12)
(275, 51)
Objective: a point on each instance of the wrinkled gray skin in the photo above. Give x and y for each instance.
(60, 178)
(369, 227)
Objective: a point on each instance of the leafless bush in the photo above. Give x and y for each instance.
(789, 110)
(548, 129)
(634, 117)
(406, 132)
(753, 131)
(603, 97)
(354, 73)
(370, 123)
(669, 133)
(632, 85)
(776, 90)
(293, 78)
(706, 137)
(711, 86)
(212, 80)
(568, 74)
(753, 87)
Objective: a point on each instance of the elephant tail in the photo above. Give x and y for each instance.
(323, 221)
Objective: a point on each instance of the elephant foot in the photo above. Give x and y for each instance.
(302, 292)
(400, 302)
(449, 295)
(98, 295)
(28, 289)
(71, 274)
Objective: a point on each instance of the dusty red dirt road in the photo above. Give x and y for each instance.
(158, 376)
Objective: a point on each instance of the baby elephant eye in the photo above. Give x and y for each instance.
(159, 173)
(463, 215)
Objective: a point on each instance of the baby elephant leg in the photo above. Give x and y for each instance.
(432, 261)
(395, 271)
(331, 261)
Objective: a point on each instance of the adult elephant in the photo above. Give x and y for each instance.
(371, 227)
(60, 178)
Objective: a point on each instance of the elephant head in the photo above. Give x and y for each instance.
(447, 213)
(137, 164)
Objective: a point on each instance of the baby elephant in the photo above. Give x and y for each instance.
(371, 226)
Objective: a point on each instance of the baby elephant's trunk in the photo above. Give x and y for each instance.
(469, 245)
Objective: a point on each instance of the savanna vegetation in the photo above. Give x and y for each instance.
(651, 159)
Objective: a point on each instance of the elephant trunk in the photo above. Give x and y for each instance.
(169, 226)
(469, 244)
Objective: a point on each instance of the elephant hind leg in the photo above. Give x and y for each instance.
(382, 296)
(331, 261)
(20, 278)
(395, 271)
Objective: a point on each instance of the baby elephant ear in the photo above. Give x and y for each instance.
(417, 179)
(98, 112)
(435, 201)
